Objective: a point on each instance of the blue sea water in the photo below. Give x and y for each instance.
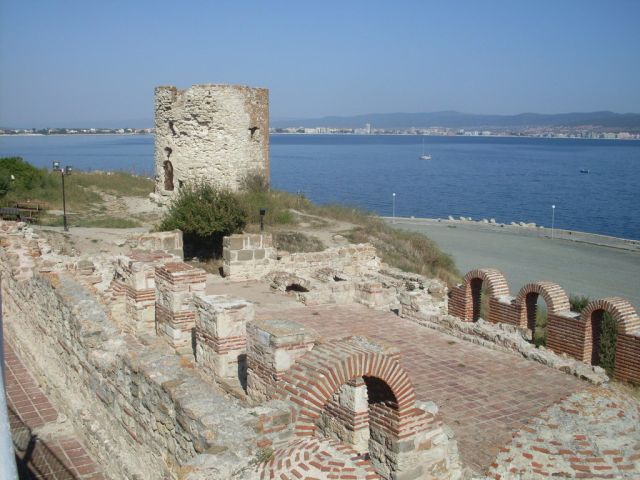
(509, 179)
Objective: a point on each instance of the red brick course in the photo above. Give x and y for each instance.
(57, 457)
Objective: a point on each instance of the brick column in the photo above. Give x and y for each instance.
(175, 317)
(221, 335)
(461, 303)
(567, 333)
(627, 366)
(273, 346)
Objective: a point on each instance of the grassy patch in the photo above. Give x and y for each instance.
(81, 188)
(106, 222)
(297, 242)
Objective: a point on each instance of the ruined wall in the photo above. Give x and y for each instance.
(144, 411)
(212, 133)
(340, 275)
(568, 333)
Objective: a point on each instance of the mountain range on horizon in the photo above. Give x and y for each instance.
(448, 119)
(453, 119)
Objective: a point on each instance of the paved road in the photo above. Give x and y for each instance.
(525, 255)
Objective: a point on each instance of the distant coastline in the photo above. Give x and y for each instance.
(325, 134)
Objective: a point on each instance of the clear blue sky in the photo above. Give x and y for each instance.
(65, 62)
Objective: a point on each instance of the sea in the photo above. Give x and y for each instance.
(508, 179)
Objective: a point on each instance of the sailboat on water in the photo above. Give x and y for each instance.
(424, 156)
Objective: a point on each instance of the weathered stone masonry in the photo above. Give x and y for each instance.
(211, 133)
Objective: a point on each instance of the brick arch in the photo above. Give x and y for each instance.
(494, 280)
(320, 373)
(620, 309)
(554, 296)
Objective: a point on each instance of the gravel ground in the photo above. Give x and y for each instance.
(584, 264)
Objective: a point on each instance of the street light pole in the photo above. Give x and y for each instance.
(393, 216)
(64, 205)
(63, 171)
(553, 218)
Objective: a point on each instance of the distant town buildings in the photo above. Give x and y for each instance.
(536, 132)
(76, 131)
(588, 132)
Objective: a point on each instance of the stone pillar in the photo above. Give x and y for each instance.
(176, 284)
(346, 416)
(134, 289)
(248, 256)
(221, 335)
(273, 346)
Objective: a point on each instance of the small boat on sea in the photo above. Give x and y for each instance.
(584, 170)
(424, 156)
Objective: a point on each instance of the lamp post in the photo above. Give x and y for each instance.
(263, 212)
(553, 218)
(63, 171)
(393, 216)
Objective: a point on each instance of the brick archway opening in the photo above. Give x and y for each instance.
(476, 285)
(363, 414)
(604, 336)
(537, 317)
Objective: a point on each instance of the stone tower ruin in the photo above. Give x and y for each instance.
(209, 133)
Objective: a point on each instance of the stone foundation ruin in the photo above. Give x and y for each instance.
(198, 387)
(209, 133)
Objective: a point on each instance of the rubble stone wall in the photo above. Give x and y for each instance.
(144, 411)
(212, 133)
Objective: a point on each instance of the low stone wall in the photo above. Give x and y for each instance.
(252, 257)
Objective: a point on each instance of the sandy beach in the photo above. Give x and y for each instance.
(584, 264)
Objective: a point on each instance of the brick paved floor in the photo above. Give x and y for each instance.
(483, 395)
(56, 457)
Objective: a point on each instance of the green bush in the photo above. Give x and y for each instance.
(205, 215)
(19, 176)
(608, 334)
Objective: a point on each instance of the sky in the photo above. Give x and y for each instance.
(69, 62)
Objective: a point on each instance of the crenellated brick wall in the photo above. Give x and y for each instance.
(568, 332)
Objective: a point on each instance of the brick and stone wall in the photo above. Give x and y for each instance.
(133, 289)
(221, 335)
(176, 284)
(569, 333)
(143, 411)
(273, 346)
(212, 133)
